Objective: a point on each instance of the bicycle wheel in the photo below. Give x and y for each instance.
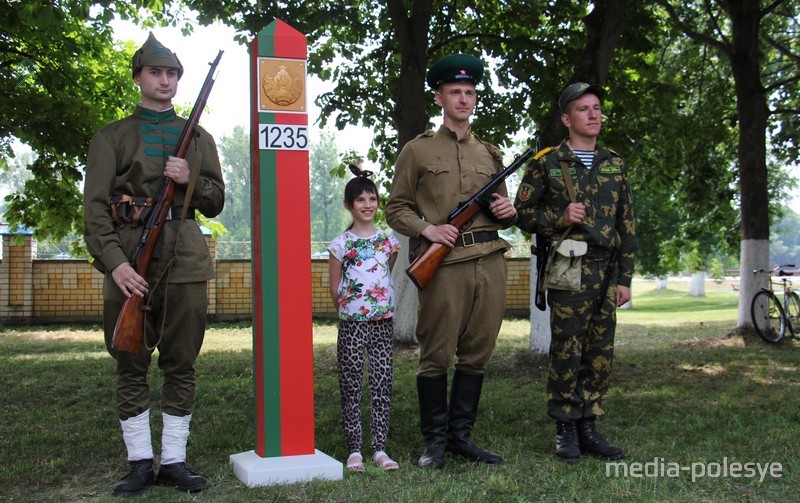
(793, 311)
(769, 319)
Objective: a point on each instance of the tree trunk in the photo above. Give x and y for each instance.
(751, 106)
(411, 118)
(604, 28)
(697, 286)
(540, 320)
(406, 300)
(661, 283)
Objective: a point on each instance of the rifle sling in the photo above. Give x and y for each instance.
(167, 270)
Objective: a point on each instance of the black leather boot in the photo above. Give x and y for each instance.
(180, 476)
(567, 448)
(592, 442)
(464, 397)
(140, 476)
(432, 393)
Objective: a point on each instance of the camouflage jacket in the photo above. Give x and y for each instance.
(604, 190)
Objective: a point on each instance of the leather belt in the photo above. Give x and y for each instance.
(175, 213)
(470, 238)
(598, 253)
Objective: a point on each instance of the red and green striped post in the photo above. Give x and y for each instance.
(282, 325)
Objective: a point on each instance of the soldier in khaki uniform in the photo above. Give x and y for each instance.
(582, 322)
(125, 168)
(462, 308)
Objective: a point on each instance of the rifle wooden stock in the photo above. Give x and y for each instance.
(130, 326)
(424, 267)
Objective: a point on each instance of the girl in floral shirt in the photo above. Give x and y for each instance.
(360, 267)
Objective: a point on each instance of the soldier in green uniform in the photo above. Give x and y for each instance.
(126, 165)
(583, 318)
(462, 308)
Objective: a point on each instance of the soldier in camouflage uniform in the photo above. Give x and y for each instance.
(125, 168)
(582, 323)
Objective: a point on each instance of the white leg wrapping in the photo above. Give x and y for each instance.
(174, 438)
(136, 434)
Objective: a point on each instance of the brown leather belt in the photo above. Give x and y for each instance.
(470, 238)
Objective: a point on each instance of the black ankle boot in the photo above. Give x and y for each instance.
(140, 476)
(432, 393)
(593, 443)
(180, 476)
(567, 448)
(464, 397)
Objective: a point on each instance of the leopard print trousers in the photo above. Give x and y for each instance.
(375, 339)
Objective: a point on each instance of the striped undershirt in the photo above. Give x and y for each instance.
(586, 156)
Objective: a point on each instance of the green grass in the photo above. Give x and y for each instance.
(684, 392)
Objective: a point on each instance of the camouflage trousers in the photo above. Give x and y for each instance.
(581, 346)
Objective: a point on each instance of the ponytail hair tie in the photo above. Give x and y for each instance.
(358, 172)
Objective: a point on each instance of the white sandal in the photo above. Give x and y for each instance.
(355, 462)
(384, 461)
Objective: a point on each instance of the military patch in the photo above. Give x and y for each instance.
(525, 191)
(610, 169)
(556, 172)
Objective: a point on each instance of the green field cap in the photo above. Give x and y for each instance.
(576, 90)
(455, 68)
(153, 53)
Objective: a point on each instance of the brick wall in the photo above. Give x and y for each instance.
(60, 291)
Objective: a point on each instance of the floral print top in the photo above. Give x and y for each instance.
(366, 291)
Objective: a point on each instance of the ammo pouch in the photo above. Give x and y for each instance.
(565, 265)
(129, 210)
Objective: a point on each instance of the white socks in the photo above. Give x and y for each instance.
(136, 434)
(174, 438)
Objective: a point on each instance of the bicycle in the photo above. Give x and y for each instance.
(771, 317)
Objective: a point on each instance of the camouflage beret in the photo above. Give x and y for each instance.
(153, 53)
(455, 68)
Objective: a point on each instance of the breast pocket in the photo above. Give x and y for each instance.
(608, 194)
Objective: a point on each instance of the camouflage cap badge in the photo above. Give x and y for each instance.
(153, 53)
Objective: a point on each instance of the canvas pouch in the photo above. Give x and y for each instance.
(565, 265)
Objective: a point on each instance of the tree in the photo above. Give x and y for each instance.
(62, 77)
(329, 218)
(761, 46)
(234, 150)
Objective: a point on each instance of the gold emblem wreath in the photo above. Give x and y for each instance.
(282, 86)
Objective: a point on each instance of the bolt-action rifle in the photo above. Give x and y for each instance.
(424, 267)
(130, 326)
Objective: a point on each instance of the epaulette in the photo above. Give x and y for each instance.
(494, 151)
(613, 152)
(426, 134)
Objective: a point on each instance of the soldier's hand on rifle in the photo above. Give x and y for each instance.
(502, 207)
(128, 280)
(177, 169)
(574, 214)
(445, 234)
(623, 295)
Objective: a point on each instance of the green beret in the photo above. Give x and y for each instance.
(455, 68)
(576, 90)
(153, 53)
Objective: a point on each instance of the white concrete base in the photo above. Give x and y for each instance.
(254, 470)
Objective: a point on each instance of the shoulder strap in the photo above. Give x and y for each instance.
(568, 181)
